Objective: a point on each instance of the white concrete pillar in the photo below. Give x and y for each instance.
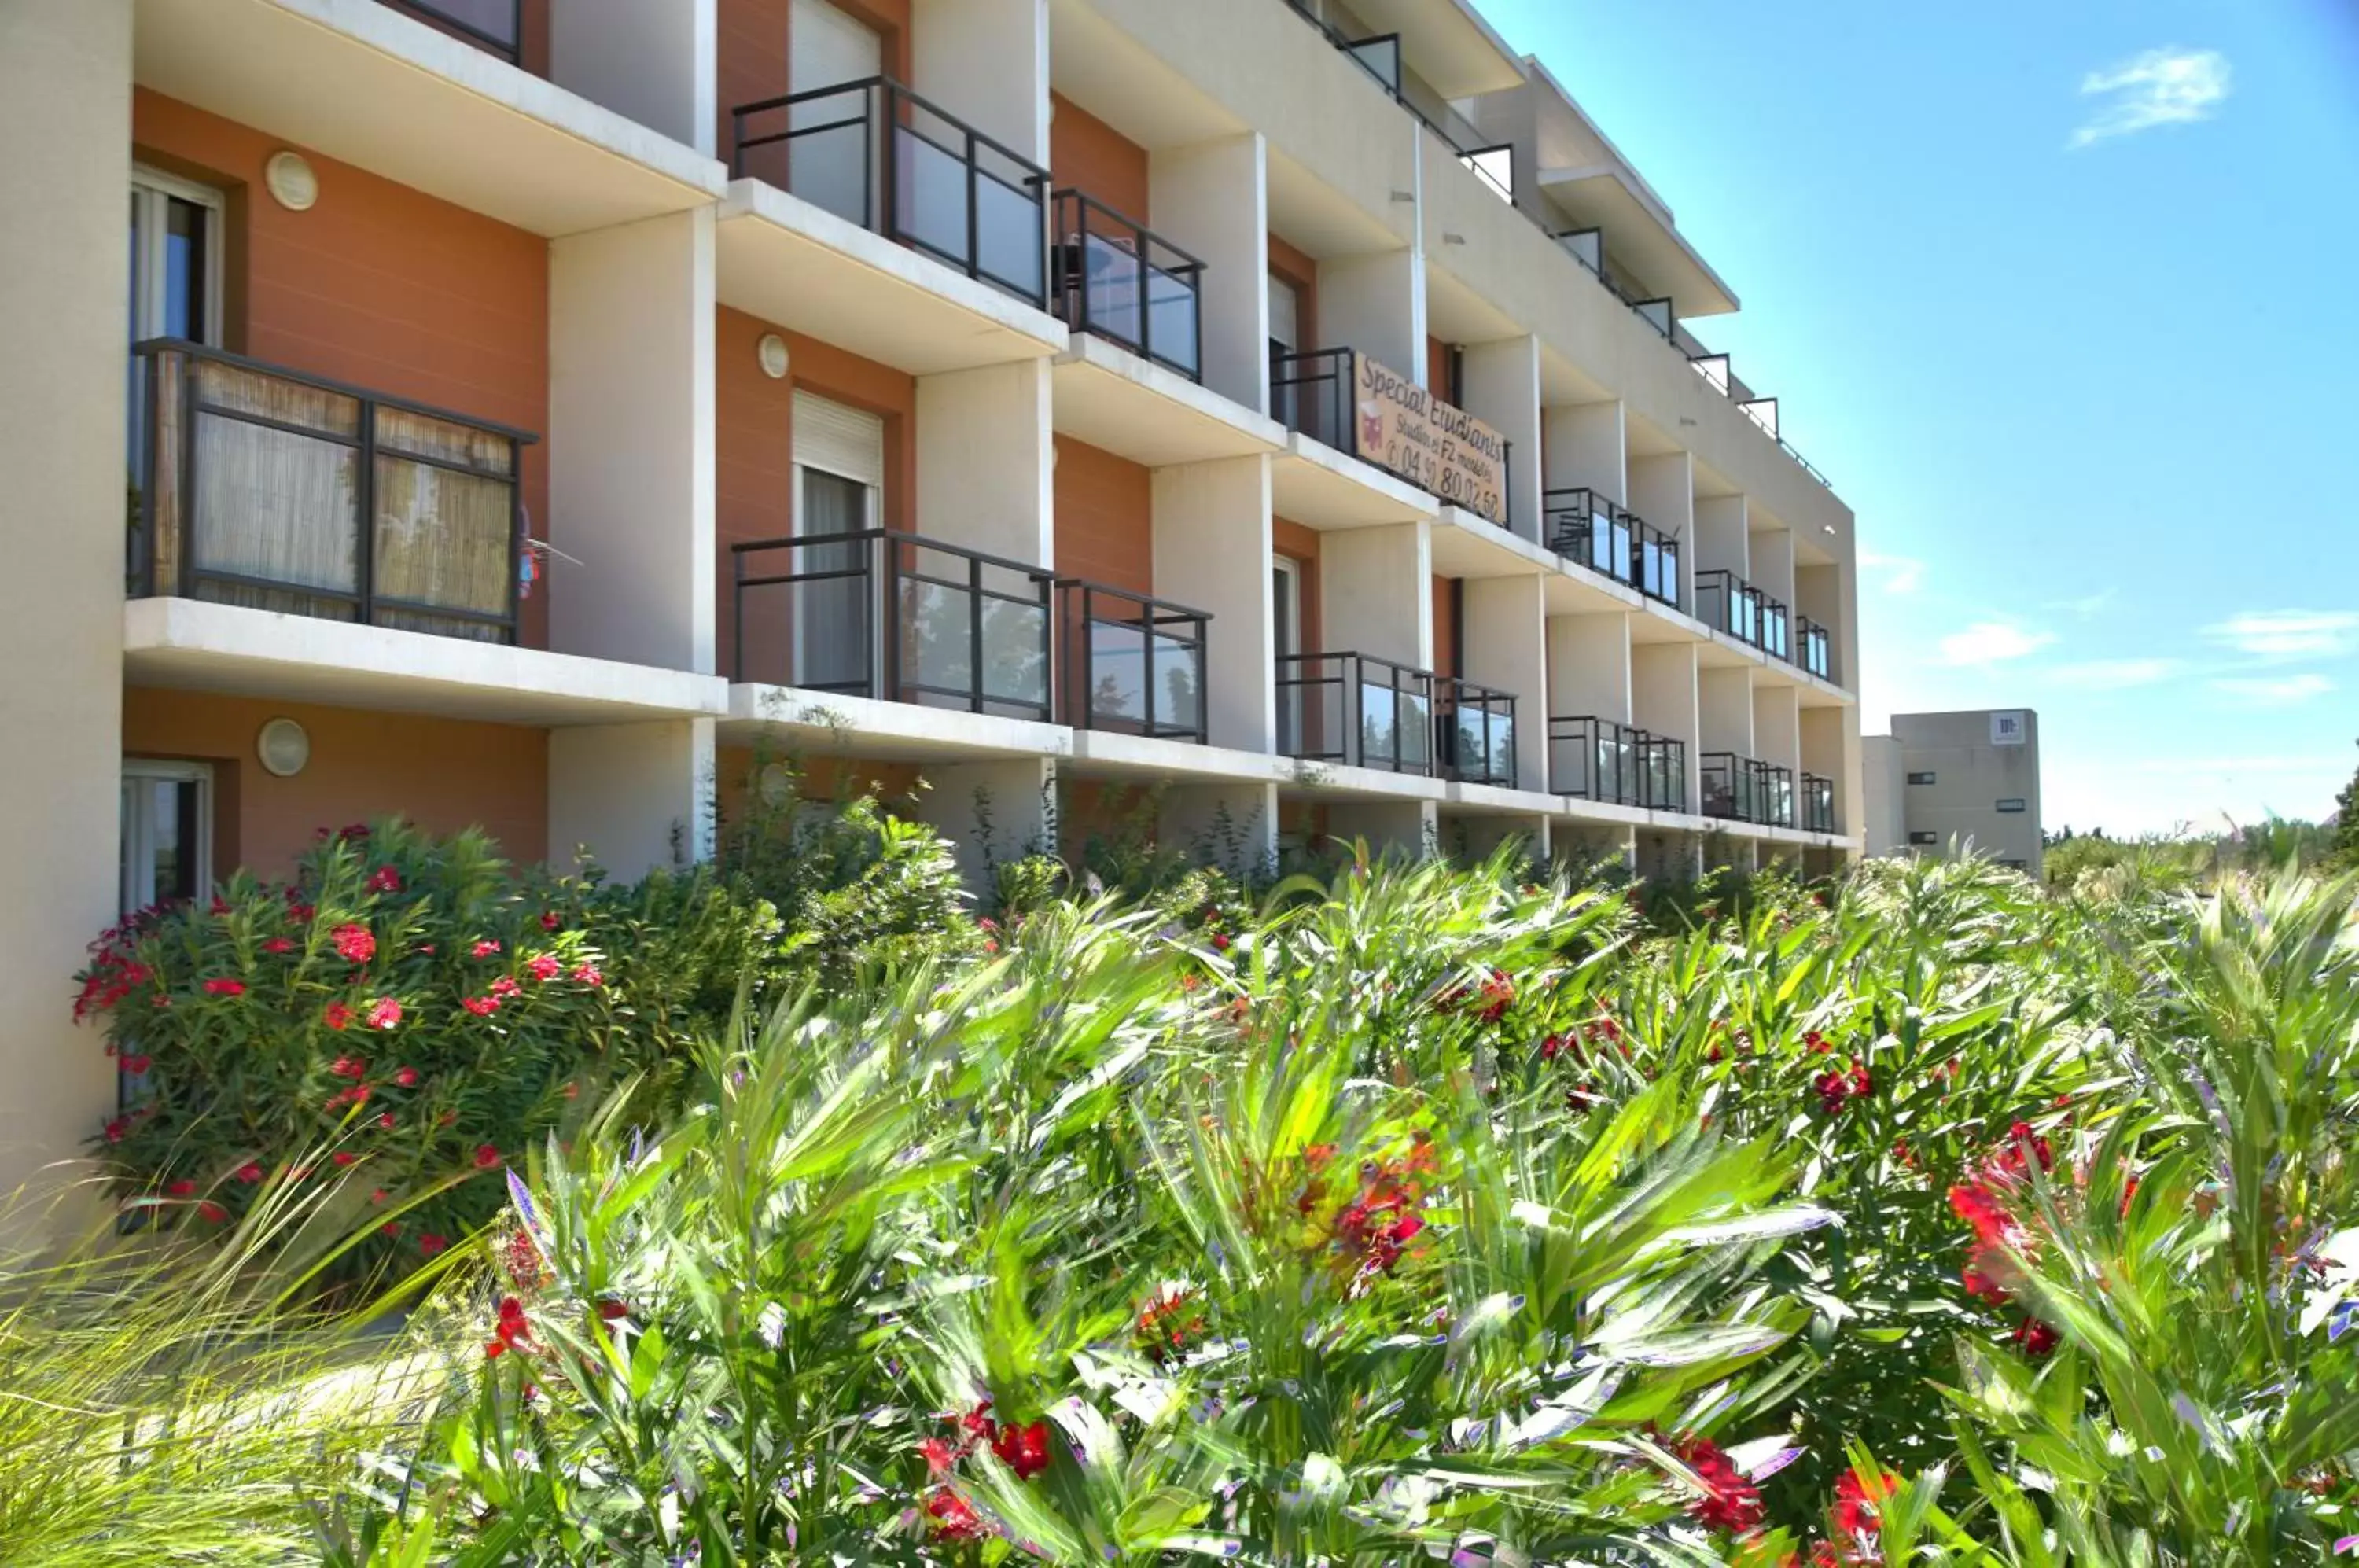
(1769, 553)
(654, 62)
(1230, 826)
(1664, 699)
(1503, 390)
(1376, 303)
(1588, 448)
(1831, 750)
(1505, 624)
(1724, 701)
(631, 443)
(1211, 200)
(65, 120)
(1589, 666)
(1375, 592)
(993, 812)
(987, 460)
(987, 62)
(1409, 828)
(1211, 552)
(1777, 729)
(1722, 539)
(632, 797)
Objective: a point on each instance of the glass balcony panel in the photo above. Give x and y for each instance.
(937, 640)
(830, 168)
(1111, 276)
(1016, 657)
(1416, 732)
(1179, 685)
(1172, 305)
(1117, 673)
(1380, 727)
(929, 196)
(1010, 233)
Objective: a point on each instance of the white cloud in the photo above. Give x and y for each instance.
(1905, 574)
(2084, 607)
(2288, 633)
(2160, 87)
(2115, 674)
(2275, 693)
(1993, 642)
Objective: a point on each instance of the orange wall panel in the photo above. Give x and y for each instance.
(1298, 267)
(753, 455)
(442, 774)
(1445, 626)
(1301, 545)
(1105, 517)
(1437, 369)
(379, 286)
(1088, 154)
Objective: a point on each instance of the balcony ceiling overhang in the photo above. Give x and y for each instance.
(1448, 43)
(1638, 232)
(1108, 397)
(358, 81)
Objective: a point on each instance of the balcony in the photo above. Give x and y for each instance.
(496, 26)
(897, 617)
(1745, 790)
(1817, 645)
(1474, 733)
(1133, 665)
(1416, 437)
(875, 154)
(1355, 710)
(1123, 282)
(1616, 764)
(266, 487)
(1818, 804)
(1727, 602)
(1590, 531)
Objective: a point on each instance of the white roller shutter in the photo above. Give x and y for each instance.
(825, 47)
(849, 442)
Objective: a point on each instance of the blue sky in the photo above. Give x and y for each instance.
(2065, 300)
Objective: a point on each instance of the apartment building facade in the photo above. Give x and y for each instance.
(533, 409)
(1943, 783)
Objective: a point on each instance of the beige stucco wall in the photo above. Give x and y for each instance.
(1971, 776)
(65, 122)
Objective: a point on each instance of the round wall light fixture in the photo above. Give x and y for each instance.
(284, 749)
(290, 180)
(773, 351)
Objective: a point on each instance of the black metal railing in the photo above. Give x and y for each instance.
(1475, 732)
(260, 485)
(1818, 804)
(1125, 283)
(1132, 663)
(1585, 528)
(1727, 602)
(1817, 648)
(1602, 759)
(875, 154)
(877, 613)
(1746, 789)
(1777, 629)
(1310, 393)
(1357, 710)
(496, 25)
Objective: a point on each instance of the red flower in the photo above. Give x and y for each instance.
(352, 832)
(279, 944)
(2039, 1340)
(1817, 1043)
(486, 1156)
(406, 1077)
(587, 974)
(484, 948)
(212, 1212)
(384, 1013)
(481, 1006)
(1837, 1088)
(1220, 943)
(385, 879)
(1728, 1501)
(225, 987)
(548, 921)
(1023, 1449)
(342, 1157)
(612, 1312)
(1858, 1502)
(348, 1067)
(377, 1197)
(543, 965)
(137, 1064)
(355, 943)
(298, 914)
(939, 1457)
(1981, 1286)
(358, 1094)
(430, 1243)
(181, 1189)
(116, 1129)
(2023, 1145)
(953, 1516)
(336, 1015)
(384, 1120)
(1552, 1046)
(514, 1330)
(504, 986)
(249, 1173)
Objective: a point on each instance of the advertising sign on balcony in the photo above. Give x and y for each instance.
(1400, 426)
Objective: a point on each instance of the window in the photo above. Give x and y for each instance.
(1286, 609)
(167, 850)
(1920, 778)
(1924, 838)
(176, 284)
(2011, 806)
(839, 483)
